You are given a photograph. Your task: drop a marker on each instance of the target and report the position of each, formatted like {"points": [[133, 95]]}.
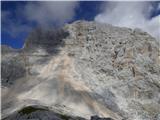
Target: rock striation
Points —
{"points": [[84, 69]]}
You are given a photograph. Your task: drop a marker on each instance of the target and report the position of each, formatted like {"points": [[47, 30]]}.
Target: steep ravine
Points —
{"points": [[84, 69]]}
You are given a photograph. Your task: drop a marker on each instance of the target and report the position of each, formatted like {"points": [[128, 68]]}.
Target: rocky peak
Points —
{"points": [[85, 69]]}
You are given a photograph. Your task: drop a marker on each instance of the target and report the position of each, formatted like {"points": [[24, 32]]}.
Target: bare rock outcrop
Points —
{"points": [[85, 69]]}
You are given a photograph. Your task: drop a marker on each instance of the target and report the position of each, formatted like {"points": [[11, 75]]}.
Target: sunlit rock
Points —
{"points": [[84, 69]]}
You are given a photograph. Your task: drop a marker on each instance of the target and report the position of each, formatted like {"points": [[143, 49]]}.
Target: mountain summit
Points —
{"points": [[81, 70]]}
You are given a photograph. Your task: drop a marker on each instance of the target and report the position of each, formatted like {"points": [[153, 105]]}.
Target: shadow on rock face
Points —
{"points": [[39, 113], [11, 70], [98, 118], [49, 40], [36, 112]]}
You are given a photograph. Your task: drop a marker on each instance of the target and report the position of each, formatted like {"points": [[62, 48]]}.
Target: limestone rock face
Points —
{"points": [[85, 69], [12, 67]]}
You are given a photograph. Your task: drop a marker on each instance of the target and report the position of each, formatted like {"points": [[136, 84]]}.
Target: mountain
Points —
{"points": [[82, 70]]}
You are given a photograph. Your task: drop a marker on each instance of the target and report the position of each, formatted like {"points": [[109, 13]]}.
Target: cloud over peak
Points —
{"points": [[131, 14], [42, 13], [47, 13]]}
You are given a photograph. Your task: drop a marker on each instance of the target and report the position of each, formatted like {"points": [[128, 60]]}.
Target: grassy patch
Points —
{"points": [[64, 117], [30, 109]]}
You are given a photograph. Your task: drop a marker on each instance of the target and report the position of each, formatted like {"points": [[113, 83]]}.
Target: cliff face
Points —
{"points": [[85, 69]]}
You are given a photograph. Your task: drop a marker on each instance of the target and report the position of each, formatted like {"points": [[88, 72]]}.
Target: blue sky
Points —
{"points": [[19, 18]]}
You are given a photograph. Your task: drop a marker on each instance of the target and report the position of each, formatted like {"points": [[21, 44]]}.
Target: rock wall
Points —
{"points": [[85, 69]]}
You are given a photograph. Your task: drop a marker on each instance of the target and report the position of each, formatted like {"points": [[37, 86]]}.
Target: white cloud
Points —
{"points": [[11, 26], [131, 14], [158, 8], [47, 13]]}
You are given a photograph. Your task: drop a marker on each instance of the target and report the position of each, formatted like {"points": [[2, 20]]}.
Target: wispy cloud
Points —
{"points": [[47, 13], [131, 14], [12, 26], [44, 13]]}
